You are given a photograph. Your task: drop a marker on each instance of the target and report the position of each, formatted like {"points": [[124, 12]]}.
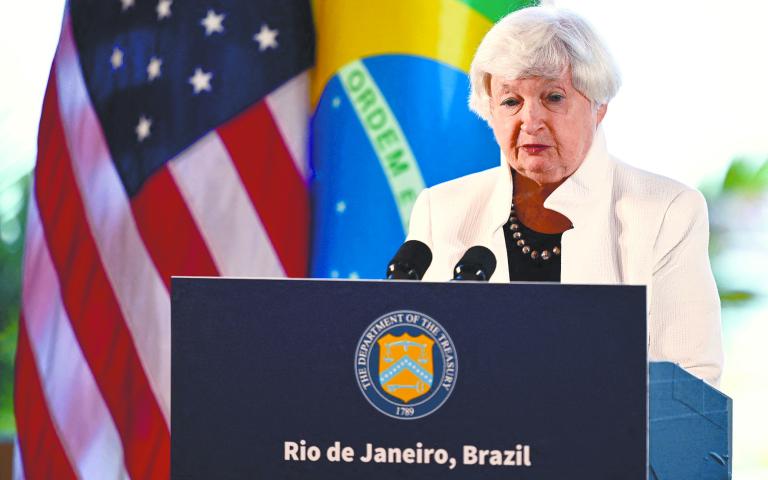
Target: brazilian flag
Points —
{"points": [[389, 95]]}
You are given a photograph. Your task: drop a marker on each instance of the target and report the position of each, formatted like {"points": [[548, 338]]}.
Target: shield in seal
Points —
{"points": [[406, 366]]}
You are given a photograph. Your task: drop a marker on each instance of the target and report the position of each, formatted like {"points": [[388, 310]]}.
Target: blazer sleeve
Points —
{"points": [[684, 313]]}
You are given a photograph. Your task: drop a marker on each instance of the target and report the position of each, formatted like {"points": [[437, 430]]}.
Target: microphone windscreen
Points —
{"points": [[412, 256], [480, 260]]}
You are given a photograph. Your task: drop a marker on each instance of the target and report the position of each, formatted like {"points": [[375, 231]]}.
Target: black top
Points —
{"points": [[521, 267]]}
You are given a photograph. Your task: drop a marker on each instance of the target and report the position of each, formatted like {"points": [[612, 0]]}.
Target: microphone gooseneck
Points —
{"points": [[478, 264], [410, 262]]}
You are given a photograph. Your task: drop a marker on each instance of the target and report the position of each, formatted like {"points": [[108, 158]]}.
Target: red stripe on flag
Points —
{"points": [[169, 231], [42, 453], [273, 183], [91, 305]]}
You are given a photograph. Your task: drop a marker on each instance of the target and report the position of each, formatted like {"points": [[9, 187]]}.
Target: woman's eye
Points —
{"points": [[510, 102], [555, 97]]}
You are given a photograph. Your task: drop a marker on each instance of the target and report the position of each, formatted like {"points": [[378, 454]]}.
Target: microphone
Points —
{"points": [[478, 264], [410, 262]]}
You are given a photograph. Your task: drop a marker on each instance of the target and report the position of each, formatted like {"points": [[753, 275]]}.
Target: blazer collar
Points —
{"points": [[584, 198], [589, 184]]}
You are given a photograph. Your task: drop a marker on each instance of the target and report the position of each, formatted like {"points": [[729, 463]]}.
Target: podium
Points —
{"points": [[316, 379], [690, 427]]}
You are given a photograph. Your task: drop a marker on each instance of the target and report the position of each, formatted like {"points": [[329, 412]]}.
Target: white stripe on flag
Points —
{"points": [[289, 105], [222, 209], [140, 291], [18, 468], [78, 411]]}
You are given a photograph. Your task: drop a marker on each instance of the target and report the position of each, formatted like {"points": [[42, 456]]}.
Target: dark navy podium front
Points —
{"points": [[506, 381]]}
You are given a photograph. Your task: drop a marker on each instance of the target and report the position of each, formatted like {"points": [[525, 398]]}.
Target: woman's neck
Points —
{"points": [[529, 200]]}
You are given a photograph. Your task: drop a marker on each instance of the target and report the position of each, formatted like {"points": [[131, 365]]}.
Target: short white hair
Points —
{"points": [[542, 42]]}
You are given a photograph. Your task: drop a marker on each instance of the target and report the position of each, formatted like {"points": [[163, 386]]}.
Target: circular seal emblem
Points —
{"points": [[406, 364]]}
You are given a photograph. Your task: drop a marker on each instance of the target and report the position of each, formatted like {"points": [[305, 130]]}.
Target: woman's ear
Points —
{"points": [[601, 112]]}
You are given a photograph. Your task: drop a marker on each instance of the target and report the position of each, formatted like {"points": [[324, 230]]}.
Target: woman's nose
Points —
{"points": [[532, 117]]}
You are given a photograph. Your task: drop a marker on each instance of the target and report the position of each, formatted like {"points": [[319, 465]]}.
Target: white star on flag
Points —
{"points": [[213, 23], [201, 81], [116, 59], [164, 9], [142, 129], [127, 4], [266, 37], [153, 69]]}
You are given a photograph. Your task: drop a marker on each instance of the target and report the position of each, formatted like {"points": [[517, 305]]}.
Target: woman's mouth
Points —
{"points": [[534, 148]]}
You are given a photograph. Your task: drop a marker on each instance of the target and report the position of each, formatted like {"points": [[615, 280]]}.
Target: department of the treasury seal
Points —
{"points": [[406, 364]]}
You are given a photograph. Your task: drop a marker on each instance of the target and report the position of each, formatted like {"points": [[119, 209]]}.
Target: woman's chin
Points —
{"points": [[543, 173], [546, 179]]}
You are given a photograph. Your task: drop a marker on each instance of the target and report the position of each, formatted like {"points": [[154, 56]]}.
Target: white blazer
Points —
{"points": [[629, 227]]}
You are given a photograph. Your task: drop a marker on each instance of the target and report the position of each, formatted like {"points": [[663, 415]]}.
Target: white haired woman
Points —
{"points": [[559, 208]]}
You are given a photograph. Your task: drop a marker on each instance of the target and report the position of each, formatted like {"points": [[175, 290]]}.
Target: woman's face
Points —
{"points": [[543, 126]]}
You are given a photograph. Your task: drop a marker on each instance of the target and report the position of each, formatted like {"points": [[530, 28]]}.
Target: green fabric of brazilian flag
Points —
{"points": [[389, 93]]}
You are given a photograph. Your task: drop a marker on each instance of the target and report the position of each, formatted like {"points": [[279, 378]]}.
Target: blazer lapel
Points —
{"points": [[589, 249]]}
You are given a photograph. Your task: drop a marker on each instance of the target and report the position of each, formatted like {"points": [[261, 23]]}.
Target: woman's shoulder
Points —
{"points": [[480, 182], [454, 209], [641, 185], [666, 209]]}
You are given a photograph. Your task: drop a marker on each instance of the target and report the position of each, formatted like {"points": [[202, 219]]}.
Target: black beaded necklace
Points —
{"points": [[523, 245]]}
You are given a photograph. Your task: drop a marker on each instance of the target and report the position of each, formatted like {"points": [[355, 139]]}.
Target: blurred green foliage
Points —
{"points": [[13, 214], [744, 185], [746, 178]]}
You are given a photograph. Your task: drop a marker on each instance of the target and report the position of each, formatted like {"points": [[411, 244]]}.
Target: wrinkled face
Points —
{"points": [[543, 126]]}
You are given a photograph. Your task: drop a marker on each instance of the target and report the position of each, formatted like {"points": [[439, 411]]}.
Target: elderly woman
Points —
{"points": [[559, 208]]}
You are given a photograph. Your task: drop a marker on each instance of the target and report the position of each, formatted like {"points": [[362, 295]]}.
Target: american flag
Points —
{"points": [[172, 142]]}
